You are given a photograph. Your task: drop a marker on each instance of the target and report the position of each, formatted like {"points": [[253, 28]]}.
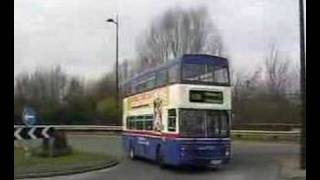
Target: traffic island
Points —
{"points": [[26, 166]]}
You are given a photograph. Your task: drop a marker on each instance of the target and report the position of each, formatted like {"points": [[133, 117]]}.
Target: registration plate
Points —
{"points": [[216, 162]]}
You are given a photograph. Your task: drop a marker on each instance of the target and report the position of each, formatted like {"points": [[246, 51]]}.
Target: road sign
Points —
{"points": [[36, 132], [29, 116]]}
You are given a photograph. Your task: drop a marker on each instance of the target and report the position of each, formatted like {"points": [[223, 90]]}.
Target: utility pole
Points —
{"points": [[302, 88]]}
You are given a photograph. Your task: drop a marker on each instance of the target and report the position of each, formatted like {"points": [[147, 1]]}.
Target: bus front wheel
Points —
{"points": [[132, 155], [160, 158]]}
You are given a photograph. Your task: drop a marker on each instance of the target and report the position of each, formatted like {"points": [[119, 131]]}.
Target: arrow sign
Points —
{"points": [[36, 132], [16, 134], [45, 132], [30, 133]]}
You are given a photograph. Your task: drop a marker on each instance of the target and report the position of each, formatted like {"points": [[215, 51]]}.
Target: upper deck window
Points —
{"points": [[146, 83], [190, 69], [174, 73], [205, 70], [162, 77]]}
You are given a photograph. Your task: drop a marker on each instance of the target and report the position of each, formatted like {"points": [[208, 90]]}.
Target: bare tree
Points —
{"points": [[262, 96], [237, 94], [41, 87], [75, 90], [277, 68], [246, 86], [179, 31], [294, 79]]}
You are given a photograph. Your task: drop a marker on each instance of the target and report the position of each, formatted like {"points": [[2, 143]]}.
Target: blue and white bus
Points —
{"points": [[180, 112]]}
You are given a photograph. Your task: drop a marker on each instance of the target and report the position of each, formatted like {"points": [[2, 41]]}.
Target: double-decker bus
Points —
{"points": [[180, 112]]}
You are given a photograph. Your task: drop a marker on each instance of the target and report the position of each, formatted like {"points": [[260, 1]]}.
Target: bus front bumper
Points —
{"points": [[207, 162], [208, 158]]}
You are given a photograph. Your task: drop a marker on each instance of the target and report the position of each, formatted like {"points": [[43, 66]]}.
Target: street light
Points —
{"points": [[116, 22]]}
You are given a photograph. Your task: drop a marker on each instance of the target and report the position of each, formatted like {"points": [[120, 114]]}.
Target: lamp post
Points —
{"points": [[302, 88], [116, 22]]}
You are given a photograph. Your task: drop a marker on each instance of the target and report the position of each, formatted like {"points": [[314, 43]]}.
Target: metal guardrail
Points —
{"points": [[88, 128], [266, 135], [266, 126], [295, 132], [80, 127], [245, 134], [270, 124]]}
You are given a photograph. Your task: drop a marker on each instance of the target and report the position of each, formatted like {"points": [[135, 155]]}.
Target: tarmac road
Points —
{"points": [[251, 161]]}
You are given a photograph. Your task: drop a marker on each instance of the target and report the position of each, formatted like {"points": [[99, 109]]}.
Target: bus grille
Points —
{"points": [[197, 152]]}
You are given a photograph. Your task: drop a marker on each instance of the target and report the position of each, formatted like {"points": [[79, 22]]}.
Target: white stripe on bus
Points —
{"points": [[179, 139]]}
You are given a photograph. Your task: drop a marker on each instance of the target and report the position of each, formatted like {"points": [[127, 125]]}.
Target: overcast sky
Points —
{"points": [[74, 35]]}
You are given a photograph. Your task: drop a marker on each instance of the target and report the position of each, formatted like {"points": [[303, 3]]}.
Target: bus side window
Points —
{"points": [[128, 122], [139, 123], [128, 89], [151, 82], [148, 122], [162, 77], [172, 120], [174, 74], [133, 122]]}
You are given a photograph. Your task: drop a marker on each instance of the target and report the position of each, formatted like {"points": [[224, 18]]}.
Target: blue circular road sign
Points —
{"points": [[29, 116]]}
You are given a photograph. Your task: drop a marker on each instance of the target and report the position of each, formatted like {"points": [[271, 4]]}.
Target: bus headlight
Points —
{"points": [[227, 153], [183, 147]]}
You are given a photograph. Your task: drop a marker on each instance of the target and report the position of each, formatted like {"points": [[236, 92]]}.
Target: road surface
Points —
{"points": [[251, 161]]}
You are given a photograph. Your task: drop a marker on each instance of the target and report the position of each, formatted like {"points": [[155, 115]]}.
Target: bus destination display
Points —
{"points": [[215, 97]]}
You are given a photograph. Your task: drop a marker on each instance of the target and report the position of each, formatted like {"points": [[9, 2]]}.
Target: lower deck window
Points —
{"points": [[148, 122], [130, 123], [139, 125], [144, 122]]}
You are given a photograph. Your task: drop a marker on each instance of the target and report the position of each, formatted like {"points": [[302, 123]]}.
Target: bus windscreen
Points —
{"points": [[204, 123]]}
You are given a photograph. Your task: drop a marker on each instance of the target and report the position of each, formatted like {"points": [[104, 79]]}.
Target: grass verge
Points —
{"points": [[77, 162]]}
